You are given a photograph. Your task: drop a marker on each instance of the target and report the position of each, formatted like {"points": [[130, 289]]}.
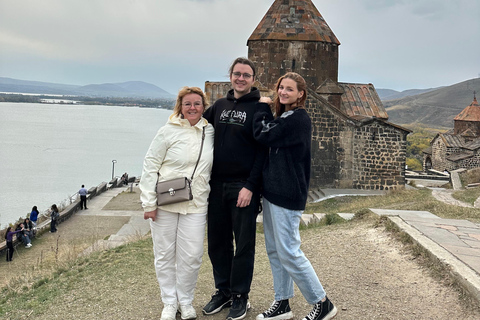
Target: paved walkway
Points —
{"points": [[455, 243], [135, 227]]}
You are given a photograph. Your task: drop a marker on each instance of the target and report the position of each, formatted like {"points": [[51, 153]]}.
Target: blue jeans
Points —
{"points": [[287, 261]]}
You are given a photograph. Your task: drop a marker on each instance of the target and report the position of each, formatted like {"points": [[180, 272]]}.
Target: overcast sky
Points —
{"points": [[395, 44]]}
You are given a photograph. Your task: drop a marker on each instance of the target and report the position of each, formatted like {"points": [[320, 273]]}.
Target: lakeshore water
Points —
{"points": [[47, 151]]}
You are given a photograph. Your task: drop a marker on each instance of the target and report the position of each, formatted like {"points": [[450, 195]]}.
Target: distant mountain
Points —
{"points": [[130, 89], [389, 94], [434, 109]]}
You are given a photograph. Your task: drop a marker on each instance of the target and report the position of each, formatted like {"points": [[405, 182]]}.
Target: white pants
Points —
{"points": [[178, 250]]}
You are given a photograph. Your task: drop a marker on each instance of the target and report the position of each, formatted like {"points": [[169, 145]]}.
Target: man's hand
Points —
{"points": [[150, 215], [244, 197]]}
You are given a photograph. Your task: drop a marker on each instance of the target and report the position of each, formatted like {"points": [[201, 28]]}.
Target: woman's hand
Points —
{"points": [[150, 215], [244, 197], [266, 100]]}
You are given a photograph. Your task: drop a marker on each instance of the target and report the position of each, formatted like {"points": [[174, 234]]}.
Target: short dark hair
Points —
{"points": [[243, 61]]}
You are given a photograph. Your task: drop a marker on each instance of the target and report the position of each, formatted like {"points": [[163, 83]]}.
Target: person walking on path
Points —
{"points": [[54, 218], [9, 239], [83, 197], [178, 229], [235, 195], [286, 177]]}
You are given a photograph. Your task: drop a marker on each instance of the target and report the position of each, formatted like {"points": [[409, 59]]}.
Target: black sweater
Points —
{"points": [[237, 155], [286, 175]]}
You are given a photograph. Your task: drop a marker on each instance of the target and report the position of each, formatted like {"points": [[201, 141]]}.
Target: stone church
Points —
{"points": [[353, 144], [458, 147]]}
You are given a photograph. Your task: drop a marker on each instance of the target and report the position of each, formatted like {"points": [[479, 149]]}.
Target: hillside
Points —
{"points": [[389, 94], [130, 89], [434, 109]]}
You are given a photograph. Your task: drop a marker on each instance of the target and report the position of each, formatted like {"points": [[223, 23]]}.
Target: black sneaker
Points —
{"points": [[279, 310], [239, 308], [322, 311], [219, 301]]}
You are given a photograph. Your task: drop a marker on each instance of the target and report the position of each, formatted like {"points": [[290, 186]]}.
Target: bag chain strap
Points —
{"points": [[200, 154]]}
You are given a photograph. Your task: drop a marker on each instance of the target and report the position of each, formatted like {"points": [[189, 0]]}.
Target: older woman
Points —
{"points": [[286, 177], [178, 229]]}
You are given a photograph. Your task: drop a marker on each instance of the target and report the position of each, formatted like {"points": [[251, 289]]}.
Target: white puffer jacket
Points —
{"points": [[173, 153]]}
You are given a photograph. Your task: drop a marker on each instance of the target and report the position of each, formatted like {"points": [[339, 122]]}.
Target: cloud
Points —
{"points": [[401, 43]]}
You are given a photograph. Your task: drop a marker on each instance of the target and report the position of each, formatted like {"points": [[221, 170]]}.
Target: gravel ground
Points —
{"points": [[366, 273]]}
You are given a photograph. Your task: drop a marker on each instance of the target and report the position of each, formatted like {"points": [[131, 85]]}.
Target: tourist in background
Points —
{"points": [[54, 215], [286, 177], [9, 239], [83, 197], [28, 225], [23, 235], [34, 216], [178, 229], [235, 196]]}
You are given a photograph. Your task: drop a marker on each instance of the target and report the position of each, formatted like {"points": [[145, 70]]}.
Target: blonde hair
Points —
{"points": [[177, 110]]}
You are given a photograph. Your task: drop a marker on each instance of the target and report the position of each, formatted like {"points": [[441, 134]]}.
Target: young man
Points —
{"points": [[235, 191], [83, 197]]}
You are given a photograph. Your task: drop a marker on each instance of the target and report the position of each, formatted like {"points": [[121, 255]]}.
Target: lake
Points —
{"points": [[47, 151]]}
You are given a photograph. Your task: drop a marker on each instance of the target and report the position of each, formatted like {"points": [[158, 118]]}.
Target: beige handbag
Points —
{"points": [[177, 190]]}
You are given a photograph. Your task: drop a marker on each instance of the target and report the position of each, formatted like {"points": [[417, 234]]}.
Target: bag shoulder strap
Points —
{"points": [[200, 154]]}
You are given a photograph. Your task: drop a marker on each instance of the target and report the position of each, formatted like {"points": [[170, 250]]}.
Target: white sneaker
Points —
{"points": [[169, 312], [187, 311]]}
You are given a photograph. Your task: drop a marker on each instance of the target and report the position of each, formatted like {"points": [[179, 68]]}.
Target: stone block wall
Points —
{"points": [[216, 90], [328, 147], [379, 151], [315, 61]]}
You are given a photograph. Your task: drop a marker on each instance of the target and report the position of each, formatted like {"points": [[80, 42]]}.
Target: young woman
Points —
{"points": [[178, 229], [286, 176], [34, 215], [9, 239], [54, 218]]}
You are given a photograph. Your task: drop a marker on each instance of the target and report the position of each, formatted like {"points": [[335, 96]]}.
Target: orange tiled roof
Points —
{"points": [[470, 113], [295, 21], [361, 100]]}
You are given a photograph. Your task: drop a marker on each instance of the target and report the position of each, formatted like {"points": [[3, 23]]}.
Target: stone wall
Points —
{"points": [[379, 153], [216, 90], [469, 163], [328, 127], [315, 61], [439, 151]]}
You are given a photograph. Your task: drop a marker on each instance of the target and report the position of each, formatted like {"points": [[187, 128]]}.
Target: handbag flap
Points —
{"points": [[175, 184]]}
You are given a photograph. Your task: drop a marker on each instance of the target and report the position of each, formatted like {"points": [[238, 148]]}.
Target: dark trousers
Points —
{"points": [[83, 202], [232, 271], [9, 250], [53, 225]]}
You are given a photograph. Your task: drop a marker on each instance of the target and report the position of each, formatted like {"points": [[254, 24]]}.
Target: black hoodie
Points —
{"points": [[237, 155]]}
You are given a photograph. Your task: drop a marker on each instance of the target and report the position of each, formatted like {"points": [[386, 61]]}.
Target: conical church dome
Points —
{"points": [[294, 20]]}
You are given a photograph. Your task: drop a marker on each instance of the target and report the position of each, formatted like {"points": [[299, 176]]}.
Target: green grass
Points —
{"points": [[468, 195], [420, 200]]}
